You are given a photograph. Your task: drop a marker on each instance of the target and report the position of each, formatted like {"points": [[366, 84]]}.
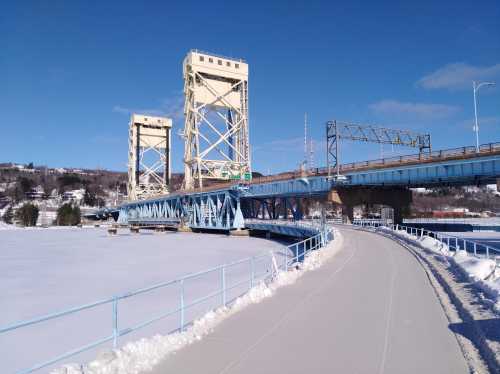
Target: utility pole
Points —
{"points": [[475, 88]]}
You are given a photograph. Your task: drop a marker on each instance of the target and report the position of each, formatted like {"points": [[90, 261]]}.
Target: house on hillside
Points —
{"points": [[74, 195], [36, 193]]}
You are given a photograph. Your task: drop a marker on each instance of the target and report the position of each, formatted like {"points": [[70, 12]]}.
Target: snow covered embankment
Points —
{"points": [[483, 272], [144, 354]]}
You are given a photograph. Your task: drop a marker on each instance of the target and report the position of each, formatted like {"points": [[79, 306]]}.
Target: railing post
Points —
{"points": [[448, 242], [182, 305], [475, 249], [487, 252], [286, 259], [252, 271], [115, 321], [223, 280]]}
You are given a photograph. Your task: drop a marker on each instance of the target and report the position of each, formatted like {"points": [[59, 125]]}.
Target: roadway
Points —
{"points": [[370, 309]]}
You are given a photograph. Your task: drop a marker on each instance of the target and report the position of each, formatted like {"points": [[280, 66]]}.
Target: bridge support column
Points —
{"points": [[347, 214], [396, 197]]}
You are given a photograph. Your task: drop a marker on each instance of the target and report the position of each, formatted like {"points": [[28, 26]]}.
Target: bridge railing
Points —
{"points": [[419, 157], [258, 268], [454, 243]]}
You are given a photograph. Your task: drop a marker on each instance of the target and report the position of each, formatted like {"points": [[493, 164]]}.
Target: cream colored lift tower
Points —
{"points": [[216, 119], [149, 156]]}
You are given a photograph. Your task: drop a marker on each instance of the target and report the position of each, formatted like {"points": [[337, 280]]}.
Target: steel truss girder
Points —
{"points": [[274, 208], [336, 130], [218, 210]]}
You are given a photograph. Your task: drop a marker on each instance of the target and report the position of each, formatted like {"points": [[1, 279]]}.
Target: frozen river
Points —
{"points": [[46, 270]]}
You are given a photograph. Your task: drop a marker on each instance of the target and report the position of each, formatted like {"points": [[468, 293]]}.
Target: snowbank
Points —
{"points": [[142, 355], [483, 272], [478, 269], [424, 242], [6, 226]]}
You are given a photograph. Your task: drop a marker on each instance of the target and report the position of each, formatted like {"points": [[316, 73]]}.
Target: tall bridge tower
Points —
{"points": [[149, 156], [216, 119]]}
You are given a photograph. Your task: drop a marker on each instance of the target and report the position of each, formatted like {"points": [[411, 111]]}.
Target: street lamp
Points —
{"points": [[476, 86]]}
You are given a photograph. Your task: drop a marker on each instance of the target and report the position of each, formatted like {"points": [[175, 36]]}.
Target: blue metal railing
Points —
{"points": [[299, 251], [454, 243]]}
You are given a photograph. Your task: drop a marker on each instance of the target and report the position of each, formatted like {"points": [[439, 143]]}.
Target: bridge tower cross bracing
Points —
{"points": [[149, 156], [216, 129]]}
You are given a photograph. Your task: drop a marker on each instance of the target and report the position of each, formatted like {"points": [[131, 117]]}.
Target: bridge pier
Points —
{"points": [[398, 198]]}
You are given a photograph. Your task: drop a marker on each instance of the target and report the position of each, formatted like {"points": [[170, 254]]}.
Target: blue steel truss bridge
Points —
{"points": [[228, 206]]}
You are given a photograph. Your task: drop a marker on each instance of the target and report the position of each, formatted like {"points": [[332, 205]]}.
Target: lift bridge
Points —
{"points": [[230, 205], [217, 150]]}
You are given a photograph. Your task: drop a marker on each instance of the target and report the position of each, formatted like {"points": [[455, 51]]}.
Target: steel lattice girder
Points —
{"points": [[211, 210], [336, 130], [373, 134]]}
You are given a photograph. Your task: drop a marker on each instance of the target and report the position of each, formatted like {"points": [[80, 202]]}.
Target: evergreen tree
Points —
{"points": [[27, 215], [89, 198], [8, 215], [68, 215]]}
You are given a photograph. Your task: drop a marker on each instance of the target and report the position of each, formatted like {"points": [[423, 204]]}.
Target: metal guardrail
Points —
{"points": [[441, 155], [300, 251], [454, 243]]}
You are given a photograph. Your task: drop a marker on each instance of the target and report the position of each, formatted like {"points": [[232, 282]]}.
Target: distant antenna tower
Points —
{"points": [[311, 154], [305, 141]]}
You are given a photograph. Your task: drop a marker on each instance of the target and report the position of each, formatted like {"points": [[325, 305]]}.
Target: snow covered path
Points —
{"points": [[370, 309]]}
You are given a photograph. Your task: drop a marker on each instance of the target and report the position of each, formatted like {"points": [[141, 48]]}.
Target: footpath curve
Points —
{"points": [[370, 309]]}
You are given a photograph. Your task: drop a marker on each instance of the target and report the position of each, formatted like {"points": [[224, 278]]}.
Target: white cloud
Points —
{"points": [[128, 111], [418, 111], [483, 121], [172, 107], [458, 76]]}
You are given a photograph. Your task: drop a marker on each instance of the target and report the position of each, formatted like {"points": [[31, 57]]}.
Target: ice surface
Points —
{"points": [[46, 270]]}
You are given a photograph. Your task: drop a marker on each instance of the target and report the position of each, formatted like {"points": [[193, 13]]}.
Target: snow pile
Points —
{"points": [[477, 269], [424, 242], [434, 245], [144, 354], [6, 226], [482, 271]]}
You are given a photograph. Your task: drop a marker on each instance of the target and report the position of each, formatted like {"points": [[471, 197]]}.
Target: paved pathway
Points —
{"points": [[370, 309]]}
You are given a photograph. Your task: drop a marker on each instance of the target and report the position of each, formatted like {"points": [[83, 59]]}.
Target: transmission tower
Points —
{"points": [[335, 131], [216, 119], [149, 156]]}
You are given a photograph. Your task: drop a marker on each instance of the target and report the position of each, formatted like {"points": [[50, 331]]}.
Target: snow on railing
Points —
{"points": [[454, 243], [300, 251]]}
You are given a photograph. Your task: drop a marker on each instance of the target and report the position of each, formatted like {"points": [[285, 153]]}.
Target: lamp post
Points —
{"points": [[475, 87]]}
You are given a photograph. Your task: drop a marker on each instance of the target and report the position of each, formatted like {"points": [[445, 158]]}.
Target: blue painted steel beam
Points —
{"points": [[221, 209]]}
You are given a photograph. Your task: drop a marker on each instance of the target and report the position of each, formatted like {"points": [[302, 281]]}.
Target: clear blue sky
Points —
{"points": [[71, 71]]}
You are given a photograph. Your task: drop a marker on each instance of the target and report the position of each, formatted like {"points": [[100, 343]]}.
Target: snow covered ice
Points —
{"points": [[46, 270]]}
